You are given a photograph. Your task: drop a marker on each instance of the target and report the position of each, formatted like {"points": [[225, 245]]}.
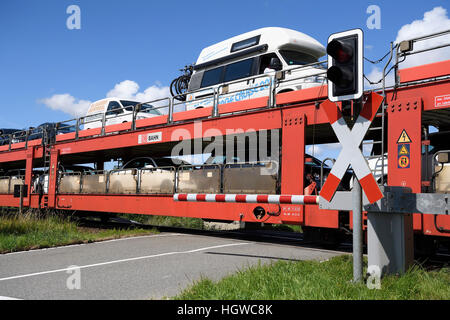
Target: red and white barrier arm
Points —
{"points": [[247, 198]]}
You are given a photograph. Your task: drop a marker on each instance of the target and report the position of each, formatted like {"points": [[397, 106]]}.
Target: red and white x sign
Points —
{"points": [[351, 154]]}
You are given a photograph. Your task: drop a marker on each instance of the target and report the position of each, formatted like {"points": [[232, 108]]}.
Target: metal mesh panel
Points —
{"points": [[4, 185], [158, 180], [94, 183], [199, 179], [123, 182], [15, 181], [69, 184], [250, 178], [442, 181]]}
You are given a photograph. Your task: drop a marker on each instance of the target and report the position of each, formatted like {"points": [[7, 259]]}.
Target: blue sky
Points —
{"points": [[148, 41]]}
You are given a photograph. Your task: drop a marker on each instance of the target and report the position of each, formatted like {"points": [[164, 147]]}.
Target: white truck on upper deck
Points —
{"points": [[256, 55]]}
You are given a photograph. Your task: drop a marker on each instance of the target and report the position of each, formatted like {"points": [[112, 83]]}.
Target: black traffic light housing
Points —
{"points": [[345, 65]]}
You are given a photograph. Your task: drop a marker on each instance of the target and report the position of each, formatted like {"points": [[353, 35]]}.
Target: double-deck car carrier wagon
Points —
{"points": [[262, 143]]}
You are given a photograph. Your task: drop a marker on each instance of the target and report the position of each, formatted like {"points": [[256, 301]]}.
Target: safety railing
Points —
{"points": [[70, 182], [71, 129], [89, 182], [441, 171], [255, 177], [123, 181], [4, 185], [93, 182], [204, 178], [274, 81], [7, 183], [22, 138], [322, 167], [406, 48], [73, 126], [16, 180], [160, 180], [128, 114]]}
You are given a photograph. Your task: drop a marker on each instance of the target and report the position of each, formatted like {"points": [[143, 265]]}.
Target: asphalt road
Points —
{"points": [[148, 267]]}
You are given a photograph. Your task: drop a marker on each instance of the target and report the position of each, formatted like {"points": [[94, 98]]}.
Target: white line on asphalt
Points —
{"points": [[92, 243], [124, 260], [8, 298]]}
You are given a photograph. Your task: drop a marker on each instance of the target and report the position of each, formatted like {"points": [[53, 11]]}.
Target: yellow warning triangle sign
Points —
{"points": [[403, 151], [404, 138]]}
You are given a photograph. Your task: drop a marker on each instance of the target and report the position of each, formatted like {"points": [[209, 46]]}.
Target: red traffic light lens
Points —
{"points": [[339, 51]]}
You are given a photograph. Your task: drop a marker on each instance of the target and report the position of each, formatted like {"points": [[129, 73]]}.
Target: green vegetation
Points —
{"points": [[163, 221], [31, 231], [305, 280], [196, 223]]}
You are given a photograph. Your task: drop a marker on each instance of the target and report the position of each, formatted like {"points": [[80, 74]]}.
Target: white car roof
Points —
{"points": [[274, 37]]}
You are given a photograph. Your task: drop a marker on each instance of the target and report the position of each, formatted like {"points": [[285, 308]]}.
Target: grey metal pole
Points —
{"points": [[21, 200], [171, 106], [357, 231]]}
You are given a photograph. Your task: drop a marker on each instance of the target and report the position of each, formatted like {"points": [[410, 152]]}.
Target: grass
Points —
{"points": [[313, 280], [196, 223], [165, 221], [30, 231]]}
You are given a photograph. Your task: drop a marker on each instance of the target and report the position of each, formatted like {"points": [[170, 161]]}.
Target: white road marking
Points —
{"points": [[126, 260], [8, 298]]}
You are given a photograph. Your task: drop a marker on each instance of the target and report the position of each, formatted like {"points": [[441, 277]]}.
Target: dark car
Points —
{"points": [[149, 162], [51, 128], [5, 135], [76, 168]]}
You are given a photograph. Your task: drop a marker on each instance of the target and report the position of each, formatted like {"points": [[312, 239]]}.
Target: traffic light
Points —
{"points": [[345, 65]]}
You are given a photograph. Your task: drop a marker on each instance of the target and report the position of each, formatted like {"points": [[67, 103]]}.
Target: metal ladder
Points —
{"points": [[47, 158]]}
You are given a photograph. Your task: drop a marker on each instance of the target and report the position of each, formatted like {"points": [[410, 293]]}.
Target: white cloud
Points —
{"points": [[67, 103], [126, 89], [324, 150], [375, 75], [130, 90], [433, 21], [314, 150]]}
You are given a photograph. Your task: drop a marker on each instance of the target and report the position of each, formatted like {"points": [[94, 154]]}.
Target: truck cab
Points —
{"points": [[244, 66]]}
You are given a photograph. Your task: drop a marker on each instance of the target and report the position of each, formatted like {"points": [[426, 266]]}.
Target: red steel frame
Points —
{"points": [[404, 112]]}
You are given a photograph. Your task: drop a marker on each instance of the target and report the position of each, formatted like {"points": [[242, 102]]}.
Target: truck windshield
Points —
{"points": [[128, 105], [148, 108], [145, 107], [297, 58]]}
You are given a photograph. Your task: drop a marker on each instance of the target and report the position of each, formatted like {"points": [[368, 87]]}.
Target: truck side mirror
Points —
{"points": [[443, 157], [275, 64]]}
